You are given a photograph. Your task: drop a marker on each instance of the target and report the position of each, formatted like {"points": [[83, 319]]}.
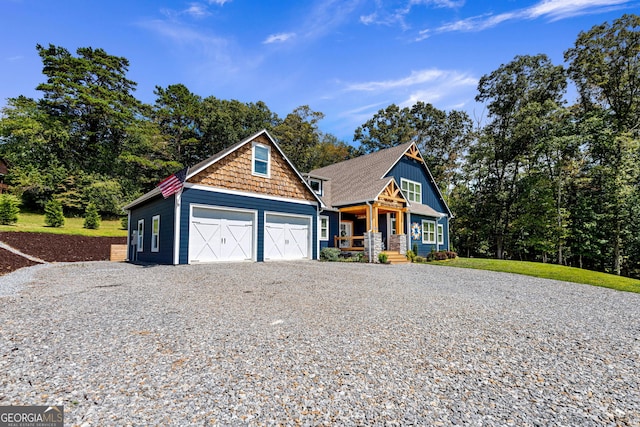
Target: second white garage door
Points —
{"points": [[287, 237], [221, 235]]}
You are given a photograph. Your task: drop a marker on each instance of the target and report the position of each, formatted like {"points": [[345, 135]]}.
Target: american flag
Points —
{"points": [[173, 184]]}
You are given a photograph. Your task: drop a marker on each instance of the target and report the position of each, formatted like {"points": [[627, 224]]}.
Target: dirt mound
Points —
{"points": [[54, 248]]}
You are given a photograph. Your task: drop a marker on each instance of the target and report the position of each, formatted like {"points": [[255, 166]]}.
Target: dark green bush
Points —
{"points": [[330, 254]]}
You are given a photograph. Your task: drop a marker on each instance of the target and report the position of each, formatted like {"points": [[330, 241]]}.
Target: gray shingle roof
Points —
{"points": [[360, 179]]}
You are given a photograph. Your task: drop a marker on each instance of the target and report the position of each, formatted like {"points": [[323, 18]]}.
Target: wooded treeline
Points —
{"points": [[538, 178], [88, 139]]}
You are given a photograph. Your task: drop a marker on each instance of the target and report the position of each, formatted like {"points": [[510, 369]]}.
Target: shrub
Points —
{"points": [[420, 259], [91, 217], [330, 254], [124, 222], [53, 215], [9, 209], [383, 258], [411, 256], [441, 255]]}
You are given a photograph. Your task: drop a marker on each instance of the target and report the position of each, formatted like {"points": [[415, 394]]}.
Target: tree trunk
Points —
{"points": [[617, 255]]}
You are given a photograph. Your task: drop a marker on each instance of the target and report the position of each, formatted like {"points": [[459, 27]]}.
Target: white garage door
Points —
{"points": [[220, 235], [286, 237]]}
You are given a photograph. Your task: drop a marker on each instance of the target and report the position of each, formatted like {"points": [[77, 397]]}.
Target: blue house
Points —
{"points": [[246, 203], [384, 201], [249, 203]]}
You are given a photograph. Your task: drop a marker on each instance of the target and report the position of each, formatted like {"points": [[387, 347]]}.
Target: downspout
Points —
{"points": [[129, 245], [448, 236], [176, 227], [370, 227], [407, 226], [318, 212], [437, 241]]}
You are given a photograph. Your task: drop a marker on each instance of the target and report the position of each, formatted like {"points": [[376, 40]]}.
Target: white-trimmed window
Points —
{"points": [[261, 160], [440, 234], [324, 228], [316, 185], [412, 190], [155, 233], [428, 231], [140, 235]]}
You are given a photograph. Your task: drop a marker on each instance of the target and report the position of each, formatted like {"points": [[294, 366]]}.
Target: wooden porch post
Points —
{"points": [[375, 217], [399, 222]]}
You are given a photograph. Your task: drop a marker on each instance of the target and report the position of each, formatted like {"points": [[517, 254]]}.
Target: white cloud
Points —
{"points": [[209, 47], [561, 9], [553, 9], [416, 78], [196, 10], [279, 38], [219, 2], [368, 19], [398, 15]]}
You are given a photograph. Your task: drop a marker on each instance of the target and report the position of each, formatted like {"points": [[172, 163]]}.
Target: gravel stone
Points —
{"points": [[310, 343]]}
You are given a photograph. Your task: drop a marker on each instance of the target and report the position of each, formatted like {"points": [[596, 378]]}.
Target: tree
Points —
{"points": [[178, 114], [605, 65], [9, 209], [91, 217], [328, 151], [225, 122], [387, 128], [298, 135], [442, 137], [53, 215], [519, 96], [92, 99]]}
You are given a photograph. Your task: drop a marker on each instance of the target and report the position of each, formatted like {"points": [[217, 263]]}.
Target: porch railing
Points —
{"points": [[349, 243]]}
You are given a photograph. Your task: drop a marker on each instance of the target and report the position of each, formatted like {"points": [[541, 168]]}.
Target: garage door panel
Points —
{"points": [[220, 235], [286, 237], [298, 242], [205, 237], [239, 243]]}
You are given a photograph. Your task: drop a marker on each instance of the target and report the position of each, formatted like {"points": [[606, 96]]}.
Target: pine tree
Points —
{"points": [[9, 209], [91, 217], [53, 215]]}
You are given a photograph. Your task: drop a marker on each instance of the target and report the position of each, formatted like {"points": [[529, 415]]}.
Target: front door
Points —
{"points": [[346, 230]]}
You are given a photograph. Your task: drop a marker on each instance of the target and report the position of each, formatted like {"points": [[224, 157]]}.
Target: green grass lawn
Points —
{"points": [[32, 222], [547, 271]]}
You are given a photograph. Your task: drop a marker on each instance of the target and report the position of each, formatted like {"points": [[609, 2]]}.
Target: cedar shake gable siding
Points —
{"points": [[233, 172]]}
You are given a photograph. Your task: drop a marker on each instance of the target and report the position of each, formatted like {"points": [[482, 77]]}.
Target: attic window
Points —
{"points": [[261, 160], [316, 186], [412, 190]]}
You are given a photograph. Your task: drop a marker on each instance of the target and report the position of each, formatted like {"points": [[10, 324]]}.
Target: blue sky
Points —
{"points": [[345, 58]]}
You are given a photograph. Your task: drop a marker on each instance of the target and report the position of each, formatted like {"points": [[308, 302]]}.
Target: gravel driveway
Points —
{"points": [[312, 343]]}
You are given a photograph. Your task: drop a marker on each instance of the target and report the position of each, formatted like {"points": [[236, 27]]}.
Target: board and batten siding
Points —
{"points": [[425, 248], [261, 205], [334, 229], [413, 170], [146, 211]]}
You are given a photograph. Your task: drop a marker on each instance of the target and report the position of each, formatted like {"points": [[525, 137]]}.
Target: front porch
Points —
{"points": [[380, 223]]}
